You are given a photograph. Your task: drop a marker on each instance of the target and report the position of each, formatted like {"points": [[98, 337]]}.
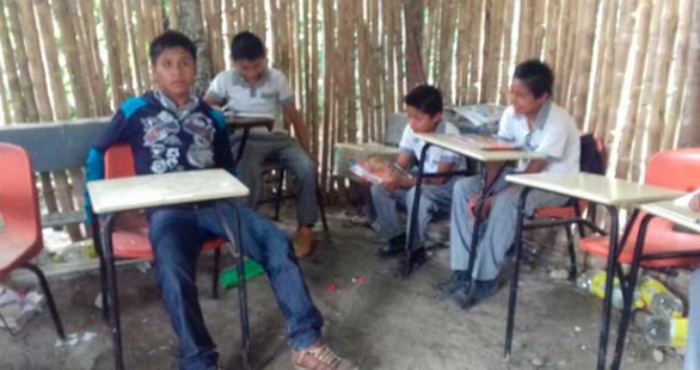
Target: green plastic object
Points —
{"points": [[229, 278]]}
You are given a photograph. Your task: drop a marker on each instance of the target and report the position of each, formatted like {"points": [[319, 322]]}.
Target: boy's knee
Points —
{"points": [[378, 191], [466, 188], [304, 167]]}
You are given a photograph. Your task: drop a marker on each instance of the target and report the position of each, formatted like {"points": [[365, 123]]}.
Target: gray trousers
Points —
{"points": [[692, 346], [499, 230], [282, 148], [434, 199]]}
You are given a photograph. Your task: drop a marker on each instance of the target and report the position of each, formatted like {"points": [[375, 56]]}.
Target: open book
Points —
{"points": [[377, 170], [489, 143]]}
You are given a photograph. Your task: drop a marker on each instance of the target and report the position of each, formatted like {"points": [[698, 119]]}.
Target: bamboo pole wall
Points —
{"points": [[621, 65]]}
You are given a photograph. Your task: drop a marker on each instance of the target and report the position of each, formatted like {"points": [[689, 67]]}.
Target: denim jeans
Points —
{"points": [[284, 149], [177, 234]]}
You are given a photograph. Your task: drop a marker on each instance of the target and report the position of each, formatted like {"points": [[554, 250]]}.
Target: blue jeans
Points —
{"points": [[284, 149], [177, 234]]}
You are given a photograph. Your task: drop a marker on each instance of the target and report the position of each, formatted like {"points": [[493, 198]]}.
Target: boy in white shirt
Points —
{"points": [[533, 122], [254, 88], [424, 110]]}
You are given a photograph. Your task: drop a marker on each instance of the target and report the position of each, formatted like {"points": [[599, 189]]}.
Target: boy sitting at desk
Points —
{"points": [[254, 88], [424, 110], [535, 123], [170, 130]]}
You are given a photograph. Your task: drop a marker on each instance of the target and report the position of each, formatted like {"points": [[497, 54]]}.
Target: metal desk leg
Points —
{"points": [[628, 291], [112, 292], [610, 274], [478, 220], [512, 301], [241, 148], [414, 212], [233, 234]]}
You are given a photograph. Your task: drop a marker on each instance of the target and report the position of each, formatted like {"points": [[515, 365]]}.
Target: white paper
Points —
{"points": [[684, 201], [250, 115]]}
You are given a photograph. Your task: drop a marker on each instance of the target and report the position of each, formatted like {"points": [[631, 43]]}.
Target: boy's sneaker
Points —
{"points": [[396, 245], [460, 280], [482, 290], [320, 357], [418, 258], [303, 242]]}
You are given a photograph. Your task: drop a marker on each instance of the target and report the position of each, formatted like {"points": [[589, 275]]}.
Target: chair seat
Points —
{"points": [[560, 212], [130, 238], [16, 249], [660, 238]]}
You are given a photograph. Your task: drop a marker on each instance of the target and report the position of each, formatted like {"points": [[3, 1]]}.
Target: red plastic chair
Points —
{"points": [[658, 244], [20, 239], [130, 233]]}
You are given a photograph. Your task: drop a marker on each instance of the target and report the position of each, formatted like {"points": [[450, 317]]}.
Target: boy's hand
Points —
{"points": [[695, 203], [474, 203], [314, 159], [391, 183]]}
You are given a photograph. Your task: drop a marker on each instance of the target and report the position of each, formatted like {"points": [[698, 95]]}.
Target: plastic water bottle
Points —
{"points": [[658, 299], [594, 282], [662, 331]]}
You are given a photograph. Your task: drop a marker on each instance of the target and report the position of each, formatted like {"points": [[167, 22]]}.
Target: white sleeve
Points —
{"points": [[217, 88], [505, 125], [407, 141], [554, 141]]}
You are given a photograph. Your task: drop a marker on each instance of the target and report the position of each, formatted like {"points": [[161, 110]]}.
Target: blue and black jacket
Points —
{"points": [[163, 139]]}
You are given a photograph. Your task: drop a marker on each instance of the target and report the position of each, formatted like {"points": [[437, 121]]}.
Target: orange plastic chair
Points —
{"points": [[678, 170], [20, 238], [657, 244], [130, 232]]}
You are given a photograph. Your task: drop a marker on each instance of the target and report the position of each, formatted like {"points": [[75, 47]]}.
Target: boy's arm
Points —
{"points": [[223, 157], [536, 166], [216, 93], [442, 168], [94, 167], [292, 114], [212, 102]]}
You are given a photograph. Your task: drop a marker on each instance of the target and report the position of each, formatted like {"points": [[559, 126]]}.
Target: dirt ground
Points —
{"points": [[385, 323]]}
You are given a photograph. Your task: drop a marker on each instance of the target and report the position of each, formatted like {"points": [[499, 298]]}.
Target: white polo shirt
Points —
{"points": [[554, 135], [267, 96], [412, 145]]}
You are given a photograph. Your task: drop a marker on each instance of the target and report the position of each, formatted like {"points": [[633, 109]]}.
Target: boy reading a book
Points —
{"points": [[170, 130], [253, 88], [424, 110], [535, 123]]}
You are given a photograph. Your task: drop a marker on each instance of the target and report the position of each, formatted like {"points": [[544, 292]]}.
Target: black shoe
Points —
{"points": [[417, 258], [480, 291], [395, 246], [460, 279]]}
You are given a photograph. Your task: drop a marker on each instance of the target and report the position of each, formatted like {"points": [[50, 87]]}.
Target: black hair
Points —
{"points": [[537, 77], [426, 99], [247, 46], [168, 40]]}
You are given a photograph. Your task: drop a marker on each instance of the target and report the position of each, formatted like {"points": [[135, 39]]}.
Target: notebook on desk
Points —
{"points": [[489, 143]]}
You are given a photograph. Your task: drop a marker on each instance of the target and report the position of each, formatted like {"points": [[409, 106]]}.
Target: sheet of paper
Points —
{"points": [[684, 201]]}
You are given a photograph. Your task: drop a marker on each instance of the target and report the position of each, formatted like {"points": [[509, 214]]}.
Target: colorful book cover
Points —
{"points": [[377, 170]]}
